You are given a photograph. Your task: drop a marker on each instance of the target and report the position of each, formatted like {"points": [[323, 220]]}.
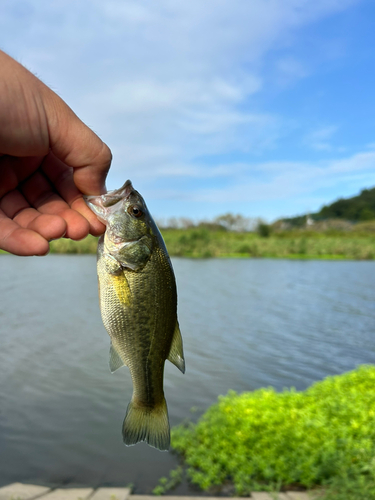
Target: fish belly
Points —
{"points": [[139, 311]]}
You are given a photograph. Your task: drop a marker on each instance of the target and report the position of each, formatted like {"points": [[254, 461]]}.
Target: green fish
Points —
{"points": [[138, 304]]}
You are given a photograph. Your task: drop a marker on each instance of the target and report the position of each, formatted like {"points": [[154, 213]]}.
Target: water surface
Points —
{"points": [[245, 324]]}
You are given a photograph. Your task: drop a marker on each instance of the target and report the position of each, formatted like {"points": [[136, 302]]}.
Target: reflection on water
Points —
{"points": [[245, 324]]}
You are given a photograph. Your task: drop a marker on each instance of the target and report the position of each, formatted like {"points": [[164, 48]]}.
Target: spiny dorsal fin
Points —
{"points": [[115, 362], [176, 354]]}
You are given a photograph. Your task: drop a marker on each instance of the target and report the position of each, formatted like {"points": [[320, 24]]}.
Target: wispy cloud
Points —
{"points": [[167, 83], [320, 139], [188, 68], [290, 69], [282, 181]]}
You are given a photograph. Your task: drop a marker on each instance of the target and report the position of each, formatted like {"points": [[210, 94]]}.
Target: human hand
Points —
{"points": [[48, 160]]}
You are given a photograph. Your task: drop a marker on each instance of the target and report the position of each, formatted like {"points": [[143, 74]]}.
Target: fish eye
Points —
{"points": [[135, 211]]}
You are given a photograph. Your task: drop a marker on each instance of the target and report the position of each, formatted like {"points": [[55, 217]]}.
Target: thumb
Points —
{"points": [[33, 119], [77, 146]]}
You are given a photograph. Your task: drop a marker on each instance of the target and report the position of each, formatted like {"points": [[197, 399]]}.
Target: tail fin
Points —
{"points": [[147, 424]]}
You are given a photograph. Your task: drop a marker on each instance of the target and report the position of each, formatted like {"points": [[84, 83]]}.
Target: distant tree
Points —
{"points": [[175, 223], [185, 223], [299, 221], [355, 209], [366, 214], [235, 222], [263, 229], [212, 226], [172, 223]]}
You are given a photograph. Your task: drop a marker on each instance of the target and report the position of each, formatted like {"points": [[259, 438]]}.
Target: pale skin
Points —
{"points": [[49, 159]]}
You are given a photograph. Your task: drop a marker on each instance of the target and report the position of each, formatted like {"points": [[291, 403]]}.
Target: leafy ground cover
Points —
{"points": [[264, 440]]}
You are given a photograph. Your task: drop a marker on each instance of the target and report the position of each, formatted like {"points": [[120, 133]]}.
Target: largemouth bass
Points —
{"points": [[138, 303]]}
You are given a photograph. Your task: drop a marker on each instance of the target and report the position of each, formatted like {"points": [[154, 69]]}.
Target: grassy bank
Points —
{"points": [[205, 243], [202, 242], [88, 245], [324, 436]]}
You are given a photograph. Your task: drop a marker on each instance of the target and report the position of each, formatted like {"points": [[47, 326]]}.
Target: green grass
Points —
{"points": [[324, 436], [205, 243], [202, 242], [64, 245]]}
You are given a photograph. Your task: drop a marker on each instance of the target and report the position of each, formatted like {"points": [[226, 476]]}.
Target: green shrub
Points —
{"points": [[165, 484], [264, 230], [263, 438]]}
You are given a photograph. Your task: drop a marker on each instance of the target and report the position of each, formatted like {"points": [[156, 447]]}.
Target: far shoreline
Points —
{"points": [[200, 242]]}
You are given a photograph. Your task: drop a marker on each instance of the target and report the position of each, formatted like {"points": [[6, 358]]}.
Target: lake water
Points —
{"points": [[245, 324]]}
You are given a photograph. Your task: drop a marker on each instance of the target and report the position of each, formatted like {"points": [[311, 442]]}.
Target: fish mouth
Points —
{"points": [[100, 204], [112, 197], [123, 193]]}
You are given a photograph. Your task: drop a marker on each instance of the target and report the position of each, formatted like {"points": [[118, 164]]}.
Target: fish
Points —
{"points": [[138, 304]]}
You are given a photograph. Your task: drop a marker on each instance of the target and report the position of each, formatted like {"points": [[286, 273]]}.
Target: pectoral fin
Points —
{"points": [[176, 354], [115, 362]]}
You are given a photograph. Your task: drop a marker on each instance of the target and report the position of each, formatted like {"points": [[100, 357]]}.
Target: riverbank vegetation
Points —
{"points": [[325, 241], [345, 229], [267, 242], [323, 437]]}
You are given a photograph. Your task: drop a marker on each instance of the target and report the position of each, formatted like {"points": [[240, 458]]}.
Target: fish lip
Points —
{"points": [[124, 191], [112, 197]]}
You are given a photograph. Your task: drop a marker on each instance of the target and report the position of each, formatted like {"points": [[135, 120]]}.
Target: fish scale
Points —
{"points": [[138, 303]]}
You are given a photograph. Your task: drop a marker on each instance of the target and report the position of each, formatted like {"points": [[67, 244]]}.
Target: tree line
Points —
{"points": [[358, 208]]}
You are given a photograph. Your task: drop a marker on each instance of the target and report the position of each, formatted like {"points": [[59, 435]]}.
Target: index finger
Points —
{"points": [[61, 177]]}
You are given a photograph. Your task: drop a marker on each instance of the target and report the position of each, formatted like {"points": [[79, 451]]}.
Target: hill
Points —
{"points": [[355, 209]]}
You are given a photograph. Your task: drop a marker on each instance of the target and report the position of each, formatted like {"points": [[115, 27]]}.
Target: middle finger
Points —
{"points": [[15, 206], [61, 176], [41, 195]]}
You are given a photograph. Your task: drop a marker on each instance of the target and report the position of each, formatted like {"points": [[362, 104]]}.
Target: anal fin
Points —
{"points": [[176, 354], [115, 362]]}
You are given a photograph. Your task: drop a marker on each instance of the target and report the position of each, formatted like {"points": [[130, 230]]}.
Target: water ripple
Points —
{"points": [[245, 323]]}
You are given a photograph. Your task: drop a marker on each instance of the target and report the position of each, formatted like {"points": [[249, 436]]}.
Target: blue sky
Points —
{"points": [[259, 107]]}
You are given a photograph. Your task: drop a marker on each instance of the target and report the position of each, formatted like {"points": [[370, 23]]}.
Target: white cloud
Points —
{"points": [[189, 67], [320, 139], [284, 180], [166, 82]]}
